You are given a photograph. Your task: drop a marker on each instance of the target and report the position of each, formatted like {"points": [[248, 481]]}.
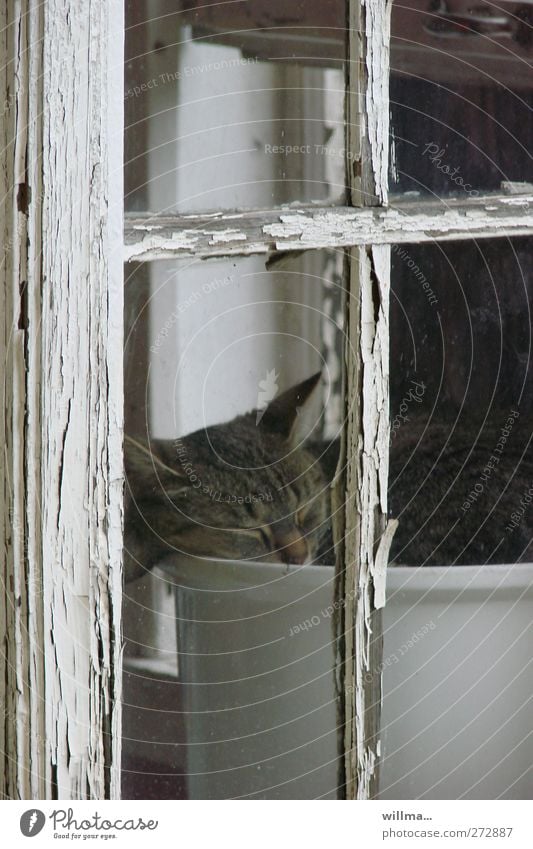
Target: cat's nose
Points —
{"points": [[292, 548]]}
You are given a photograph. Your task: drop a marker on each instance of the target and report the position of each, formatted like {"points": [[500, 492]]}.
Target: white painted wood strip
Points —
{"points": [[82, 393], [368, 102], [367, 358], [39, 774], [149, 238], [377, 19], [367, 362], [61, 430], [22, 735]]}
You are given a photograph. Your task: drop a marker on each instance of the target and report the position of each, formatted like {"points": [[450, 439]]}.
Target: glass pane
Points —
{"points": [[461, 476], [457, 672], [234, 105], [457, 680], [229, 616], [461, 96]]}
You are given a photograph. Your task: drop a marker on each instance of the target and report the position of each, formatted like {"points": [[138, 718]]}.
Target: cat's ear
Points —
{"points": [[143, 460], [282, 413]]}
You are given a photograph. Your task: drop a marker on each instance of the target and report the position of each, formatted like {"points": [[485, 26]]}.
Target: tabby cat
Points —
{"points": [[247, 490], [241, 490]]}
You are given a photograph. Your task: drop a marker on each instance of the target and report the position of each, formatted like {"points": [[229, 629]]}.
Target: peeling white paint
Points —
{"points": [[62, 345], [518, 200], [377, 31], [374, 269], [154, 238], [402, 223], [379, 569], [159, 246], [366, 774], [367, 358], [367, 378], [226, 236]]}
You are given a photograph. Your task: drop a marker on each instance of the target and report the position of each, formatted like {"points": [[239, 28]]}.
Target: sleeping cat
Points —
{"points": [[248, 490], [241, 490]]}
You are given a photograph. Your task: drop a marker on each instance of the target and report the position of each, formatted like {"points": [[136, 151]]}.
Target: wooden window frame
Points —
{"points": [[61, 310], [61, 340]]}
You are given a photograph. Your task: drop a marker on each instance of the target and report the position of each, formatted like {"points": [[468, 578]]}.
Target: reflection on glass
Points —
{"points": [[461, 96], [234, 105], [232, 375], [461, 476]]}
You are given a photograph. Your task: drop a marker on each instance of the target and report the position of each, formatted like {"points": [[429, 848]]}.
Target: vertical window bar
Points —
{"points": [[61, 342], [366, 535]]}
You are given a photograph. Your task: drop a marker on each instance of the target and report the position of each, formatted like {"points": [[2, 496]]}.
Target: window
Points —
{"points": [[272, 135], [266, 188]]}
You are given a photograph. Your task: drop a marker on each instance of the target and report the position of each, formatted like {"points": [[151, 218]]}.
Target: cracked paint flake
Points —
{"points": [[225, 236], [291, 230], [377, 32], [379, 568], [176, 242]]}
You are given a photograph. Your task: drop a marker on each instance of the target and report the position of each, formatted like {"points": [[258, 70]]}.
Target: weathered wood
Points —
{"points": [[152, 237], [368, 101], [21, 620], [62, 342], [367, 399], [366, 541]]}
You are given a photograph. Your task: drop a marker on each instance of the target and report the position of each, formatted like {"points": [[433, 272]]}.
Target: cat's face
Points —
{"points": [[239, 490]]}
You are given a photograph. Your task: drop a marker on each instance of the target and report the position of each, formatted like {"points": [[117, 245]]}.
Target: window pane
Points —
{"points": [[457, 680], [461, 96], [457, 673], [229, 616], [461, 476], [234, 105]]}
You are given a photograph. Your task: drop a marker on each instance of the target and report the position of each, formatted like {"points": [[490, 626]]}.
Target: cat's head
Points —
{"points": [[245, 489]]}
